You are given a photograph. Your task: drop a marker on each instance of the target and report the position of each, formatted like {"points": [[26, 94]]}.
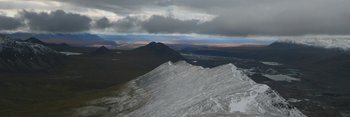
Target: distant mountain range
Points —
{"points": [[331, 42], [82, 39]]}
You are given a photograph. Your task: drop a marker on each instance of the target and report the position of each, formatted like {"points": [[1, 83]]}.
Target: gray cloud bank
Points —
{"points": [[9, 23], [233, 17], [56, 21]]}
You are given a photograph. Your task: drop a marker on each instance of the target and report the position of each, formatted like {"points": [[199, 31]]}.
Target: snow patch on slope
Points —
{"points": [[341, 42], [71, 53], [281, 77], [181, 89], [271, 63]]}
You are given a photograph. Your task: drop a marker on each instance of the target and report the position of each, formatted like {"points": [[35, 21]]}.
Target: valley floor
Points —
{"points": [[78, 80]]}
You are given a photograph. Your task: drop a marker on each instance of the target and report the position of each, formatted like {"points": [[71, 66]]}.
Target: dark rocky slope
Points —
{"points": [[18, 56]]}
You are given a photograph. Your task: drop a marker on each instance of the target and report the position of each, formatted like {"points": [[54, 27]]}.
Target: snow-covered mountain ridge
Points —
{"points": [[181, 89], [340, 42], [25, 56], [22, 47]]}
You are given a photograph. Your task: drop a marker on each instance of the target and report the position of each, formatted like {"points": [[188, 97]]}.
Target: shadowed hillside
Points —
{"points": [[80, 79]]}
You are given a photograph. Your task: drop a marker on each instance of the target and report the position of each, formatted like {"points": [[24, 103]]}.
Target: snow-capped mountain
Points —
{"points": [[340, 42], [25, 56], [181, 89]]}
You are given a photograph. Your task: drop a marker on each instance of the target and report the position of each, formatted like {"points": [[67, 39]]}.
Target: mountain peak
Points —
{"points": [[156, 45], [102, 50], [153, 42], [160, 50], [34, 40]]}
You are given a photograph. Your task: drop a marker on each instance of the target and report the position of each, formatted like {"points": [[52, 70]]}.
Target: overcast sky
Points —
{"points": [[213, 17]]}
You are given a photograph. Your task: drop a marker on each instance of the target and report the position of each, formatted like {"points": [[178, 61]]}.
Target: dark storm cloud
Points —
{"points": [[9, 23], [56, 21], [103, 23], [128, 24]]}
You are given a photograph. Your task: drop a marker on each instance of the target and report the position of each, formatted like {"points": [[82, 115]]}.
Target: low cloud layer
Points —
{"points": [[124, 25], [102, 23], [9, 23], [56, 21]]}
